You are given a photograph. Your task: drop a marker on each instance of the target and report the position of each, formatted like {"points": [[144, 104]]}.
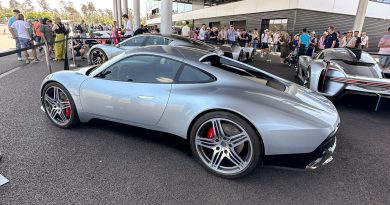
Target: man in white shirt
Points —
{"points": [[185, 31], [202, 32], [128, 26], [23, 35]]}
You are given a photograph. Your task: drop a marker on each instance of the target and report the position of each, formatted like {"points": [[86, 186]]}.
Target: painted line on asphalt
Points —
{"points": [[11, 71], [3, 180]]}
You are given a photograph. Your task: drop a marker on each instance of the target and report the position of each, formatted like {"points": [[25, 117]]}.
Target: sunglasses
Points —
{"points": [[349, 32]]}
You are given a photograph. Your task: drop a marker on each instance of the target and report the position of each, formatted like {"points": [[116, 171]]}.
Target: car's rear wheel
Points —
{"points": [[59, 105], [97, 56], [225, 144]]}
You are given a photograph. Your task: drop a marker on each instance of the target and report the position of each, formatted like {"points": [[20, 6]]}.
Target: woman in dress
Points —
{"points": [[114, 33], [60, 31], [284, 47]]}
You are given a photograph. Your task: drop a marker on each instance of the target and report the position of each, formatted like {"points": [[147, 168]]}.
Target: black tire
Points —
{"points": [[74, 119], [257, 147], [103, 56]]}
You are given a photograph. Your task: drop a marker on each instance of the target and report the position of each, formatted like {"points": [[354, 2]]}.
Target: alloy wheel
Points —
{"points": [[224, 146], [57, 105], [97, 57]]}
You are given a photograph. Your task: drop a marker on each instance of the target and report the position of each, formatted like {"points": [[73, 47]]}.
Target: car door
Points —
{"points": [[128, 44], [134, 90]]}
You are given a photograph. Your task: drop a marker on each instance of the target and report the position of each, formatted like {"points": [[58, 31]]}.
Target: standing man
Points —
{"points": [[202, 33], [231, 35], [23, 34], [331, 40], [384, 48], [37, 32], [304, 39], [128, 26], [358, 39], [185, 31], [10, 22]]}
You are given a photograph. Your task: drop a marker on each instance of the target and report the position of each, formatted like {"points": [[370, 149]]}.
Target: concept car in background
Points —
{"points": [[338, 71], [100, 53], [234, 116]]}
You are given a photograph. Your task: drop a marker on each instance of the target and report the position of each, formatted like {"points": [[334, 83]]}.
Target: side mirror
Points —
{"points": [[118, 45]]}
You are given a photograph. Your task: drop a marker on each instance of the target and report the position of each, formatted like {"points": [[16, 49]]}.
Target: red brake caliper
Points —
{"points": [[68, 111], [210, 133]]}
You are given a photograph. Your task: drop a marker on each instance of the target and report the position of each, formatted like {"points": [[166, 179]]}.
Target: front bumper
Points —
{"points": [[322, 155]]}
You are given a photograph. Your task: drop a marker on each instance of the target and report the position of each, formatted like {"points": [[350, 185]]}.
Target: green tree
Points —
{"points": [[44, 5], [13, 4], [27, 6]]}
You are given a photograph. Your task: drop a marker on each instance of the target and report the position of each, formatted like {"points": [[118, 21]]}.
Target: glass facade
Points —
{"points": [[153, 7]]}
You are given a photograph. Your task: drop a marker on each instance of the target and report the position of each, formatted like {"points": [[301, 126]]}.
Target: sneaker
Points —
{"points": [[27, 61], [19, 59], [35, 61]]}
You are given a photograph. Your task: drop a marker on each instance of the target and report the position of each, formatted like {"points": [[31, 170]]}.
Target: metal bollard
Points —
{"points": [[66, 61], [47, 54], [73, 65]]}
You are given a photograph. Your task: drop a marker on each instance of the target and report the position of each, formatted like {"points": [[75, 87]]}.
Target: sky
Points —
{"points": [[99, 4]]}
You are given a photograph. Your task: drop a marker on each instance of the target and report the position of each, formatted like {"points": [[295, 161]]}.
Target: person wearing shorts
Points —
{"points": [[22, 27]]}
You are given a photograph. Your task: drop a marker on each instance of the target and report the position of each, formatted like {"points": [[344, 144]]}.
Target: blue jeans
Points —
{"points": [[17, 42], [254, 44]]}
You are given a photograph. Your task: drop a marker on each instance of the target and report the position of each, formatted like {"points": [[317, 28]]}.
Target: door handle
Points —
{"points": [[145, 97]]}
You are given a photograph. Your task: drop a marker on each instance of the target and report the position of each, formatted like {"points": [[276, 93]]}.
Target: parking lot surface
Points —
{"points": [[107, 163]]}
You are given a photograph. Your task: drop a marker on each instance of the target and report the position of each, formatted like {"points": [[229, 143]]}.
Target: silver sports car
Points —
{"points": [[335, 72], [100, 53], [233, 115]]}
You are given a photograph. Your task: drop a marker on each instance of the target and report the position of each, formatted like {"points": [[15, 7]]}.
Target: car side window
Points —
{"points": [[190, 74], [157, 40], [142, 69], [135, 41]]}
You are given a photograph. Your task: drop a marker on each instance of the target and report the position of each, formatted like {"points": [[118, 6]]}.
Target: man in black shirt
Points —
{"points": [[331, 40], [358, 39], [139, 30]]}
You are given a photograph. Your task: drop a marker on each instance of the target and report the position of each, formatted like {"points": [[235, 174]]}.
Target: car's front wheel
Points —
{"points": [[97, 56], [225, 144], [59, 105]]}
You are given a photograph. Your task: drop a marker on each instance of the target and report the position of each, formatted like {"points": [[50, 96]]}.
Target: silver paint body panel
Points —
{"points": [[295, 121]]}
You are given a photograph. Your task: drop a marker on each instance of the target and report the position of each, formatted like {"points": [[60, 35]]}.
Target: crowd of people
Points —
{"points": [[28, 32], [33, 32]]}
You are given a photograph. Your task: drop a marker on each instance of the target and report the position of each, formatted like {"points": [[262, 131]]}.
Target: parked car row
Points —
{"points": [[235, 116], [100, 53]]}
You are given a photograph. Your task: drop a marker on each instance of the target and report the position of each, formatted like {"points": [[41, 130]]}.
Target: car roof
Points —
{"points": [[189, 53]]}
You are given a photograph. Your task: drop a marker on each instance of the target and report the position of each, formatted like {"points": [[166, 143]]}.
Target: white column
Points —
{"points": [[166, 17], [119, 11], [360, 15], [136, 8], [115, 17], [125, 8]]}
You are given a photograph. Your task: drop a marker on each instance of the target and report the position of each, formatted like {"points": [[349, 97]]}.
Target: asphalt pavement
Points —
{"points": [[108, 163]]}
